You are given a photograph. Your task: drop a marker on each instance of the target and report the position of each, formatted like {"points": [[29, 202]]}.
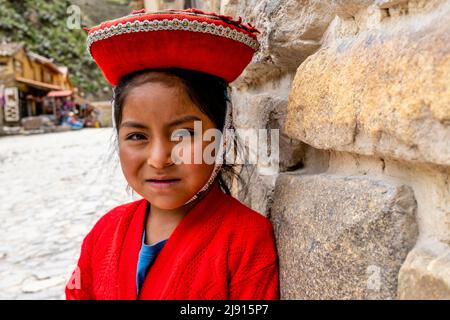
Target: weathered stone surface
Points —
{"points": [[426, 273], [257, 190], [264, 111], [384, 91], [291, 30], [429, 182], [349, 8], [341, 237]]}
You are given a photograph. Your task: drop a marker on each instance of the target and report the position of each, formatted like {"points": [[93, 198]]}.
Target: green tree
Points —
{"points": [[42, 26]]}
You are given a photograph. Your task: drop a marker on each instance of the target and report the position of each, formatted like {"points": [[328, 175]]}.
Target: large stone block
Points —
{"points": [[341, 237], [291, 30], [384, 90], [426, 273]]}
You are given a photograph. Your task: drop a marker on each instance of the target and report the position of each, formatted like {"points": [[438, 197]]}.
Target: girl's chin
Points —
{"points": [[166, 202]]}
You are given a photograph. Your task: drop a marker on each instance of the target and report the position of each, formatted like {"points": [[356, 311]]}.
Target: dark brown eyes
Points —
{"points": [[177, 133], [135, 137]]}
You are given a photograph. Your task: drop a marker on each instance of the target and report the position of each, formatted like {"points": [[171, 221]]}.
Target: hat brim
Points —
{"points": [[151, 42]]}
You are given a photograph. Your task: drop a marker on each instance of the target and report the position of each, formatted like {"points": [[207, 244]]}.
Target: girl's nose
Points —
{"points": [[159, 155]]}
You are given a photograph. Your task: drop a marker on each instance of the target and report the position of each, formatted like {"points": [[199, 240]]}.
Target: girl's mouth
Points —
{"points": [[162, 184]]}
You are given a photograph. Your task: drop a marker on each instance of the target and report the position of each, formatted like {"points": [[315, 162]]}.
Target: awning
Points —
{"points": [[60, 93], [38, 84]]}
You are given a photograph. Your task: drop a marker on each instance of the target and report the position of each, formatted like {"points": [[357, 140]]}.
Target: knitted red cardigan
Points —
{"points": [[220, 250]]}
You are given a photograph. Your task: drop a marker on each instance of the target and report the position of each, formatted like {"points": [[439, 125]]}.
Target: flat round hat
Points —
{"points": [[187, 39]]}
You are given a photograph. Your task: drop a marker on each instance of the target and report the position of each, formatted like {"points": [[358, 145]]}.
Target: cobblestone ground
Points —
{"points": [[53, 188]]}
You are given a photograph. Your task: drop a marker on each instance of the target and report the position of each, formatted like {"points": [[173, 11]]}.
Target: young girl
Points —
{"points": [[187, 238]]}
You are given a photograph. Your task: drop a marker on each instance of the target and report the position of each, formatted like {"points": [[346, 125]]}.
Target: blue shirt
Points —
{"points": [[147, 255]]}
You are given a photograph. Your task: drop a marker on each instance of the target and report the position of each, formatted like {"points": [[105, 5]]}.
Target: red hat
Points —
{"points": [[187, 39]]}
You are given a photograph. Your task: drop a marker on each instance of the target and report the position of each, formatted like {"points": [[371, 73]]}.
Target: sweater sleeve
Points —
{"points": [[255, 276]]}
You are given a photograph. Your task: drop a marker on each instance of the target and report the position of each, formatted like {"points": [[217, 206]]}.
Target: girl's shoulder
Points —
{"points": [[119, 215], [251, 243], [245, 217]]}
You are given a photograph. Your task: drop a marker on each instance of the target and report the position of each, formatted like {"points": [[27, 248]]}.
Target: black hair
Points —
{"points": [[208, 92]]}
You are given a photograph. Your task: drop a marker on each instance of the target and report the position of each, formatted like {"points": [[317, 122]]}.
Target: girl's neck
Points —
{"points": [[160, 223]]}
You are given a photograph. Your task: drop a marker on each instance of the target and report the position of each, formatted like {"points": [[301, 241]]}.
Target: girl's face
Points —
{"points": [[151, 113]]}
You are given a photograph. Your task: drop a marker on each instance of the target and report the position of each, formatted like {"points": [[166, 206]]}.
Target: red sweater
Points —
{"points": [[220, 250]]}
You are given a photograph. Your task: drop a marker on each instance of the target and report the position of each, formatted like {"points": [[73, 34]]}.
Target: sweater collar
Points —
{"points": [[176, 244]]}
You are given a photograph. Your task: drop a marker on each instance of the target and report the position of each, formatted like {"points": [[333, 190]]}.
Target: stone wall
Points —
{"points": [[360, 90]]}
